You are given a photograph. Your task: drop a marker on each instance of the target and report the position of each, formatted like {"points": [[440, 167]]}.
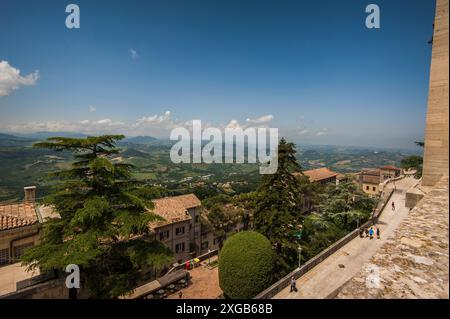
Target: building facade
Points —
{"points": [[19, 227]]}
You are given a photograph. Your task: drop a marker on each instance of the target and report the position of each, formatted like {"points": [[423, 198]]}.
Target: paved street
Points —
{"points": [[340, 267]]}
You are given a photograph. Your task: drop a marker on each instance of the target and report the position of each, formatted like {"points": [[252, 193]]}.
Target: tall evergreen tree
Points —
{"points": [[104, 220], [278, 205]]}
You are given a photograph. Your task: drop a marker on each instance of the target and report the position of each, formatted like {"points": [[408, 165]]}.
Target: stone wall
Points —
{"points": [[437, 124]]}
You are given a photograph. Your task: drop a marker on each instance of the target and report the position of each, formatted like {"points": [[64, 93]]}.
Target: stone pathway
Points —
{"points": [[414, 262], [339, 268]]}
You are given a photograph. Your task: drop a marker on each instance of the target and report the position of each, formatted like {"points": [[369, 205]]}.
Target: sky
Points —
{"points": [[310, 68]]}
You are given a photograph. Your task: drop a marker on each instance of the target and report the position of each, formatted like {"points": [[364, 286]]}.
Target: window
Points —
{"points": [[19, 250], [205, 245], [179, 247], [373, 188], [164, 235], [4, 256], [197, 219], [367, 188], [179, 230]]}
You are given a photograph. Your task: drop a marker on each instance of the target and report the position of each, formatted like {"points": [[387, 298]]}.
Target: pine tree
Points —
{"points": [[104, 220], [278, 205]]}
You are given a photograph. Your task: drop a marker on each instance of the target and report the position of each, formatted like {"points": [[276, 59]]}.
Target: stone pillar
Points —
{"points": [[436, 152]]}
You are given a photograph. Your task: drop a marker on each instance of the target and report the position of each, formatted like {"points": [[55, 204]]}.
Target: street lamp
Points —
{"points": [[299, 256]]}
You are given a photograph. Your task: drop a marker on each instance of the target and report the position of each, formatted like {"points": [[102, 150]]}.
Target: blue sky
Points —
{"points": [[310, 68]]}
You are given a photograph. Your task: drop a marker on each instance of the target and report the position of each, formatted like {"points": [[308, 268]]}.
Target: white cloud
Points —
{"points": [[233, 124], [303, 132], [261, 119], [133, 53], [92, 109], [158, 125], [10, 78], [322, 132], [153, 119]]}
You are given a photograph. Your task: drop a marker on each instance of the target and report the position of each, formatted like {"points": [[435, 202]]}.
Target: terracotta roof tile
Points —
{"points": [[17, 215], [320, 174], [174, 209]]}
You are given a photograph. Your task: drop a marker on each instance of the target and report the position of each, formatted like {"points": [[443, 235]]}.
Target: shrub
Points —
{"points": [[246, 265]]}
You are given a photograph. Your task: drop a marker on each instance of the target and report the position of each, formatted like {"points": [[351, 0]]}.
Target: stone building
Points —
{"points": [[370, 181], [19, 227], [322, 175]]}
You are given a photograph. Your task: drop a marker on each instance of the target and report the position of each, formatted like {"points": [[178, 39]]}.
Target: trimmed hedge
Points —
{"points": [[246, 265]]}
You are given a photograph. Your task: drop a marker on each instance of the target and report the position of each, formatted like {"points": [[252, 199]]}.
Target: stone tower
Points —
{"points": [[436, 132]]}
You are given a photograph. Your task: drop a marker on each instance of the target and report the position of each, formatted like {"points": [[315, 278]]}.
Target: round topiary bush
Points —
{"points": [[246, 264]]}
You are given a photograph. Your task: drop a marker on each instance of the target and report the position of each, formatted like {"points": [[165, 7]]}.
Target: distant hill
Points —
{"points": [[140, 140], [7, 140], [44, 135]]}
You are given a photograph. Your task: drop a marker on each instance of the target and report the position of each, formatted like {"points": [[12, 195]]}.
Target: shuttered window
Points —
{"points": [[20, 249], [4, 256]]}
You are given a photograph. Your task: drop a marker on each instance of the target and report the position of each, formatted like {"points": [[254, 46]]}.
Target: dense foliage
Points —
{"points": [[246, 265], [104, 220], [414, 162], [342, 208], [279, 204]]}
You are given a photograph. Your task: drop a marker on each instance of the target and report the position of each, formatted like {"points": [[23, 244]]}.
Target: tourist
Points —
{"points": [[367, 232], [378, 233], [371, 232], [293, 287], [361, 232], [180, 294], [393, 206]]}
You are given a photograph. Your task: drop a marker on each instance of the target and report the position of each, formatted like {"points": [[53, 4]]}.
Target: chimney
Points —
{"points": [[30, 193]]}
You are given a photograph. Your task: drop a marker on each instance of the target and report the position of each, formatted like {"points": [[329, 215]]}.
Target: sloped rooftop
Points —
{"points": [[174, 209], [17, 215], [319, 174]]}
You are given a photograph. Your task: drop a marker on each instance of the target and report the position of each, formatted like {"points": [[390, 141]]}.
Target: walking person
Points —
{"points": [[367, 232], [180, 294], [371, 232], [393, 206], [293, 284], [378, 233]]}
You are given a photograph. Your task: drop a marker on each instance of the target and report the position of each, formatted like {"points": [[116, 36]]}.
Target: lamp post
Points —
{"points": [[299, 256]]}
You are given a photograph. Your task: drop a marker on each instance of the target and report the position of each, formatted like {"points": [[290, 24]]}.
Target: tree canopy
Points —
{"points": [[104, 220], [278, 205], [246, 265]]}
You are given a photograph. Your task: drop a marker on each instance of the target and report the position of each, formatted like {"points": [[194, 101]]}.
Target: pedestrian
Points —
{"points": [[393, 206], [371, 232], [293, 284], [367, 232], [378, 233], [180, 294], [361, 232]]}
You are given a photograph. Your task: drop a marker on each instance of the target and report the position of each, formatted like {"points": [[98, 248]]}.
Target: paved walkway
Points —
{"points": [[11, 274], [413, 263], [343, 265]]}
